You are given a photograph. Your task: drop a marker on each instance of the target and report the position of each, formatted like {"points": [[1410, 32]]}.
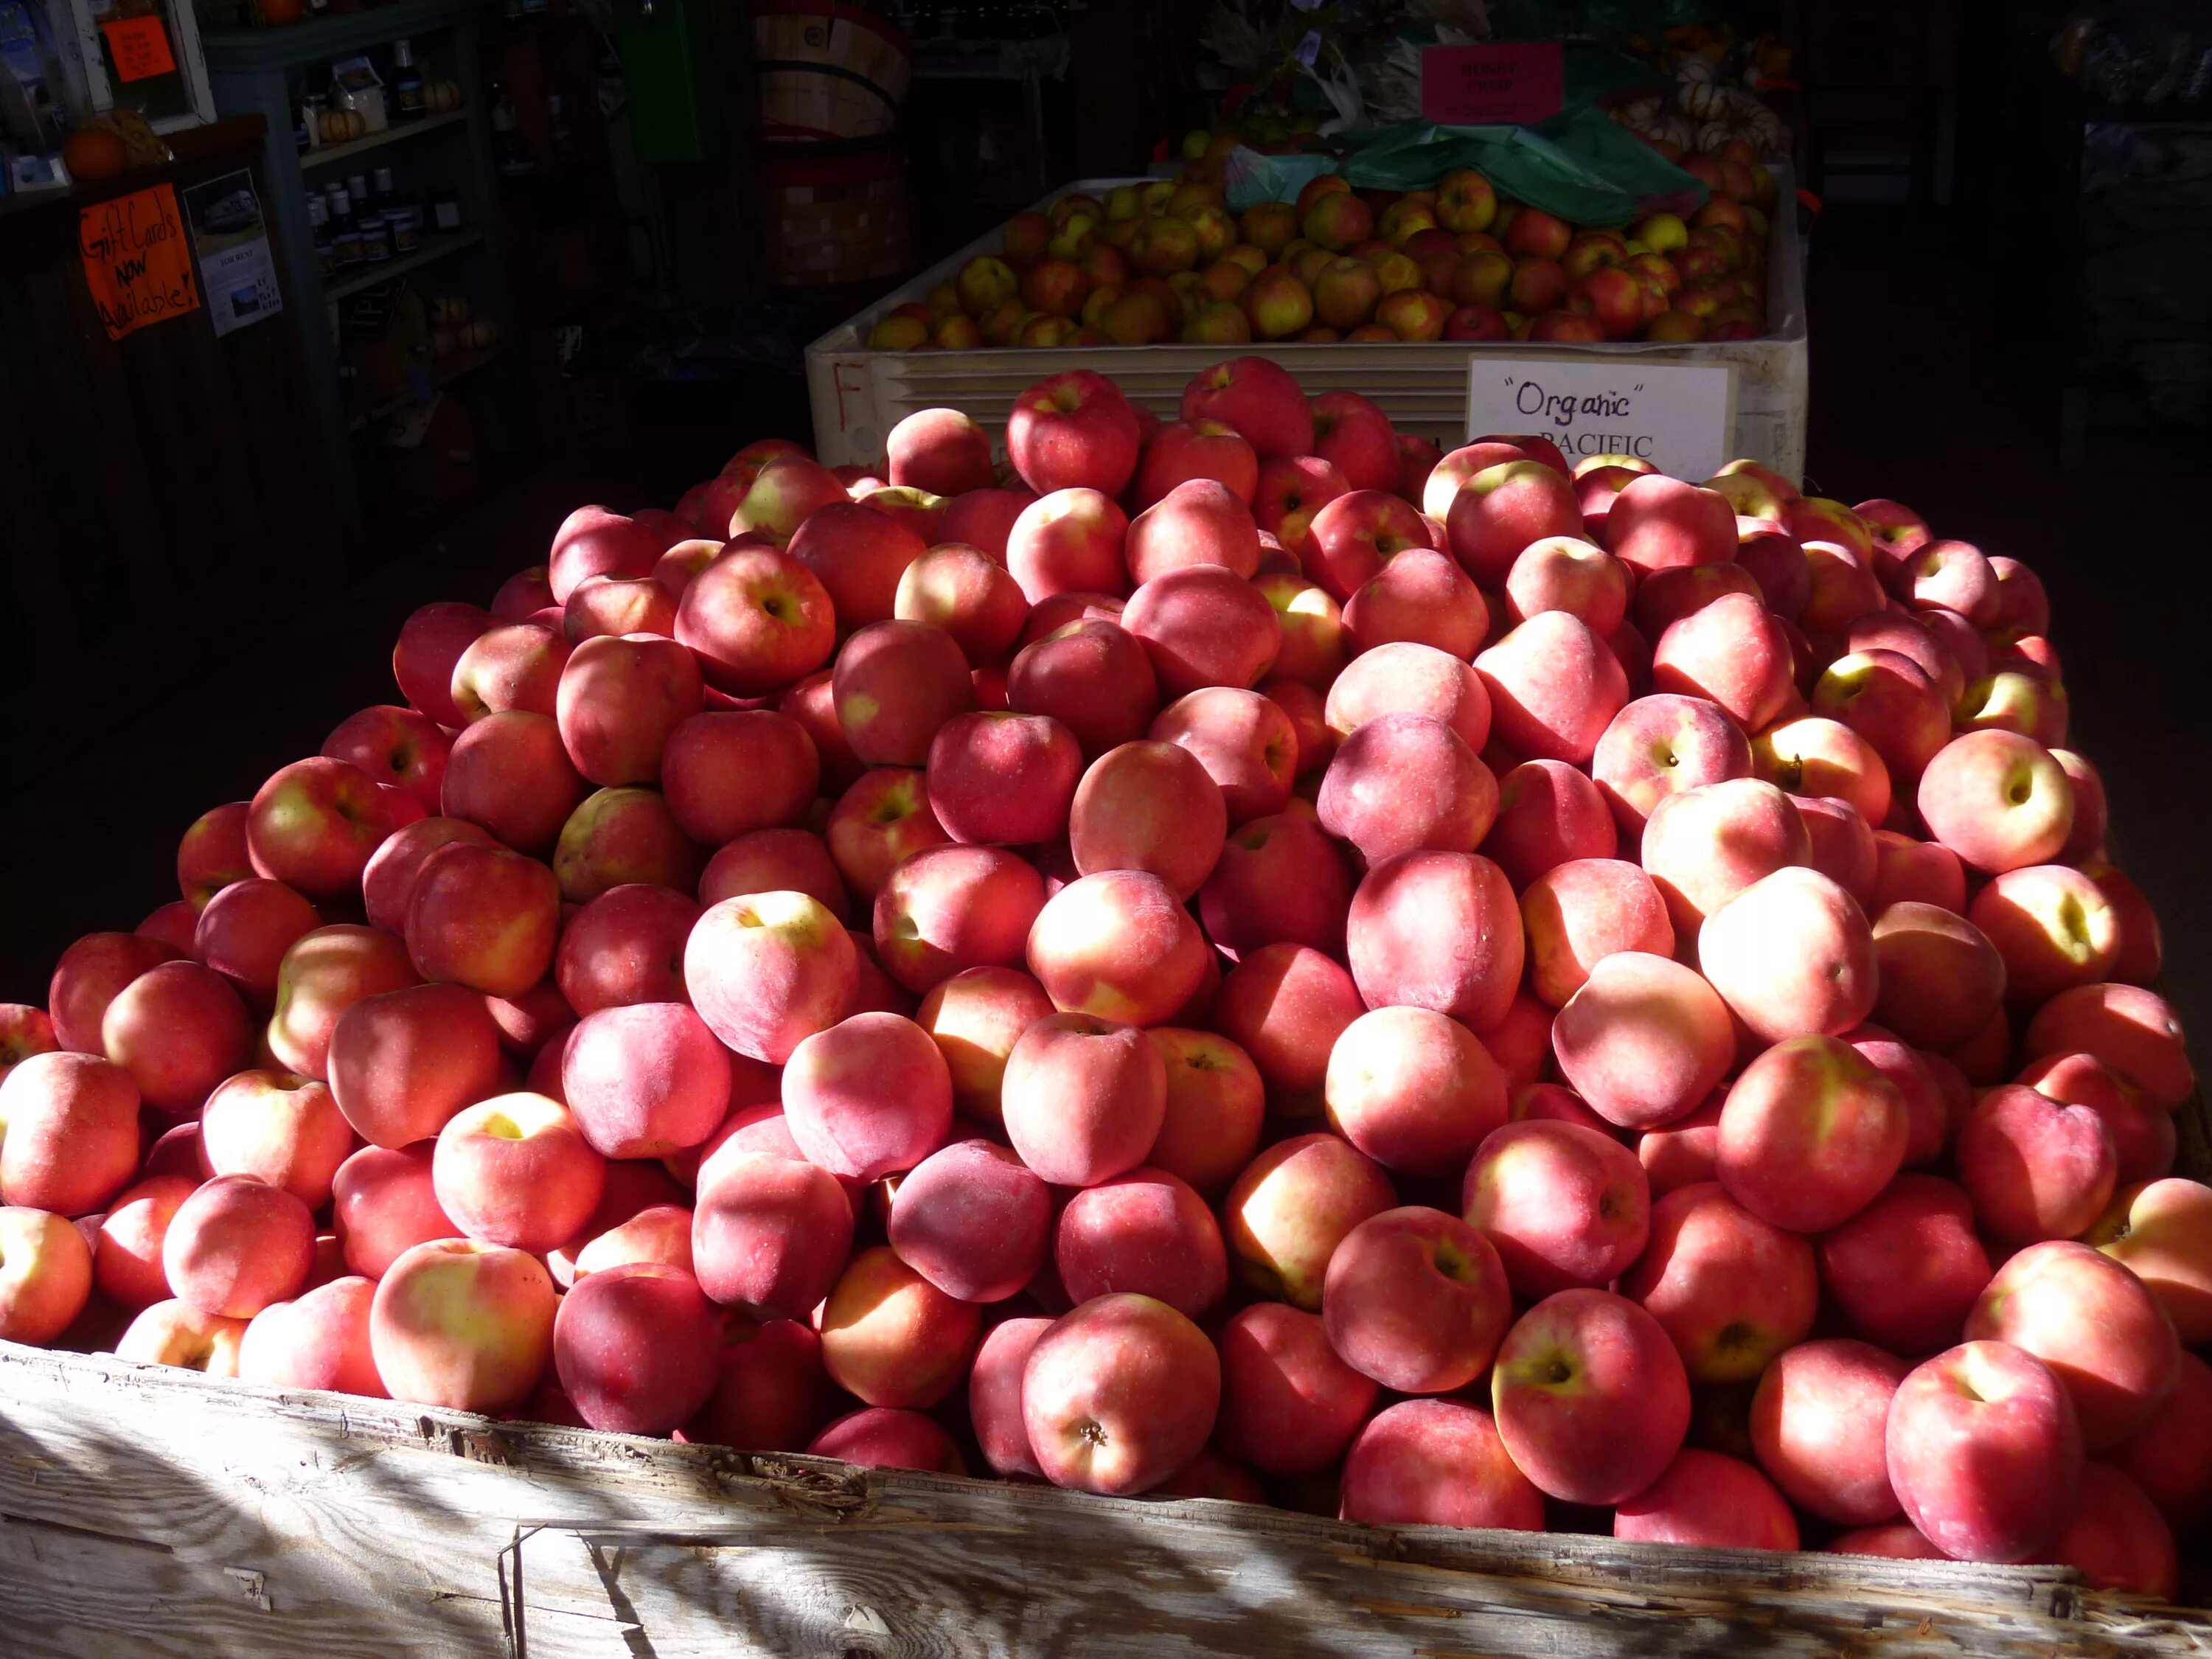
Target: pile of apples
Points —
{"points": [[1243, 957], [1167, 261]]}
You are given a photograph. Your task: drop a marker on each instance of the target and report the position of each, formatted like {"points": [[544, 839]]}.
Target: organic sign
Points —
{"points": [[138, 259], [1674, 416], [1515, 82], [139, 47]]}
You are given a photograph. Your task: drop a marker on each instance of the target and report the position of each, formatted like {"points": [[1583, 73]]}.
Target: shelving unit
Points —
{"points": [[441, 374], [255, 71]]}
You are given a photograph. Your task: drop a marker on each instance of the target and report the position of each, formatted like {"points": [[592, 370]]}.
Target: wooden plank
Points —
{"points": [[154, 1513]]}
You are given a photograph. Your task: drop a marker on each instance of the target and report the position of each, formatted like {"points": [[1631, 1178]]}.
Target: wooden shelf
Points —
{"points": [[445, 374], [328, 154], [433, 248]]}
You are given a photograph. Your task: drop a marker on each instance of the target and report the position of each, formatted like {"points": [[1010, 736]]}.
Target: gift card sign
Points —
{"points": [[1678, 417], [137, 260], [1513, 81]]}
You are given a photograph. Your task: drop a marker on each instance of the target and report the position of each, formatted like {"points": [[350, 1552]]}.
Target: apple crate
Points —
{"points": [[149, 1512], [858, 394]]}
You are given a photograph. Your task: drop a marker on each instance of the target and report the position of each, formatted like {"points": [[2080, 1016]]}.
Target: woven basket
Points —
{"points": [[836, 219], [828, 71]]}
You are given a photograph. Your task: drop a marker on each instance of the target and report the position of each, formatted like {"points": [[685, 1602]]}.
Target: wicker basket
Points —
{"points": [[828, 71], [836, 219]]}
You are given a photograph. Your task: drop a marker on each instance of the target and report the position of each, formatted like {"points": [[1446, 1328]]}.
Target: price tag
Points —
{"points": [[140, 47], [1678, 417], [137, 260], [1512, 81]]}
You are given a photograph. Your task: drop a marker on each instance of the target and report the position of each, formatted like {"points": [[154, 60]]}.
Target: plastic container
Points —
{"points": [[858, 395]]}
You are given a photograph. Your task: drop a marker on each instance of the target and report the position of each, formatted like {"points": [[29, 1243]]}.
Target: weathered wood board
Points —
{"points": [[152, 1513]]}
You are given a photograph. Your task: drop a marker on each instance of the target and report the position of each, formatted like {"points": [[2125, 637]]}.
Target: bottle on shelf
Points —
{"points": [[357, 187], [509, 152], [407, 96], [341, 204], [383, 197]]}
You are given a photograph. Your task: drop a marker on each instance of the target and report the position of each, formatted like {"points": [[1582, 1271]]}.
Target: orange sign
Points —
{"points": [[138, 259], [139, 47]]}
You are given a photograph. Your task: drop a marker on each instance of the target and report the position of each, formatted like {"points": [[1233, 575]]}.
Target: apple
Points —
{"points": [[1183, 451], [949, 908], [1984, 1452], [1734, 1291], [1290, 1406], [313, 825], [1435, 1462], [2170, 1457], [1658, 523], [46, 1275], [515, 667], [973, 1220], [515, 1169], [1591, 1400], [1501, 510], [70, 1141], [770, 1232], [463, 1324], [1402, 783], [1732, 651], [1548, 813], [1413, 1089], [1144, 1231], [400, 747], [1563, 1206], [319, 1340], [1117, 946], [1643, 1039], [1149, 806], [1416, 1300], [2134, 1031], [2161, 1232], [1119, 1394], [1817, 1425], [1292, 1207], [237, 1245], [176, 1334], [1403, 678], [431, 641], [1810, 1133], [1998, 800], [1259, 400]]}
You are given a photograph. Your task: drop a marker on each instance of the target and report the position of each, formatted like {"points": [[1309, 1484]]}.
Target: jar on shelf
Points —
{"points": [[445, 211], [406, 224], [407, 98], [346, 245], [376, 238]]}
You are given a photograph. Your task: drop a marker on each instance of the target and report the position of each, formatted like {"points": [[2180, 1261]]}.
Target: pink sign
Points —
{"points": [[1508, 82]]}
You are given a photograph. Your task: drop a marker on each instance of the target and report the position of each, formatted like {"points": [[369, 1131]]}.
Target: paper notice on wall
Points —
{"points": [[138, 263], [1678, 417], [236, 267]]}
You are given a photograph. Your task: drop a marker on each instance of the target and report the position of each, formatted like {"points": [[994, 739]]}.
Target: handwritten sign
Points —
{"points": [[1677, 416], [1516, 81], [137, 260], [140, 47]]}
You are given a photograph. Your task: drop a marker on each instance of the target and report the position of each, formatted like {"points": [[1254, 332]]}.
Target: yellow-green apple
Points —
{"points": [[949, 908], [1118, 946], [175, 1332], [1810, 1133], [1502, 509], [1336, 221], [1563, 1205], [2095, 1324], [1705, 845], [1120, 1395], [2133, 1030], [1663, 745], [1482, 279], [2052, 927], [1404, 782], [431, 641], [1290, 1406], [1997, 800], [892, 1337], [1537, 287], [237, 1245], [1435, 1462], [1732, 1291], [1591, 1400], [1436, 930], [1277, 305], [1416, 1300], [46, 1275], [973, 1220], [1346, 292], [64, 1121], [1465, 200], [768, 970], [1548, 812], [463, 1324], [2161, 1232], [510, 775], [1145, 1232]]}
